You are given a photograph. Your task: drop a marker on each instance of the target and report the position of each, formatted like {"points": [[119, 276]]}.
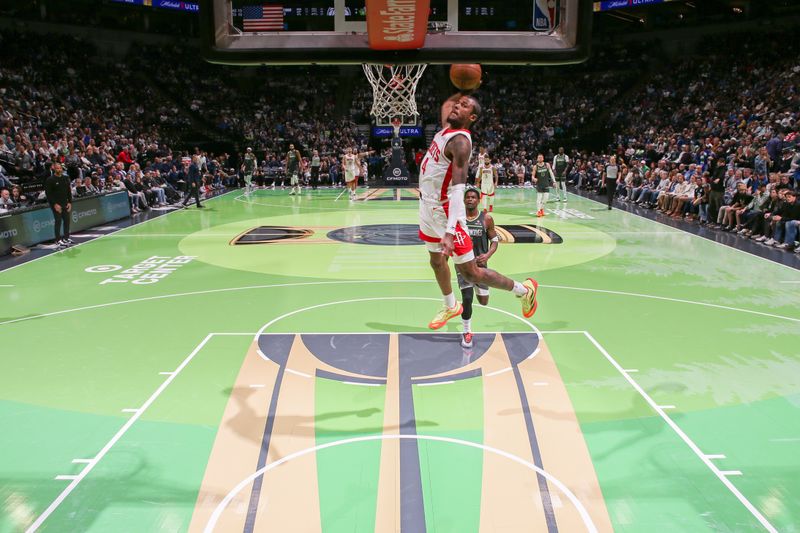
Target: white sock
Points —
{"points": [[519, 289], [450, 300], [467, 325]]}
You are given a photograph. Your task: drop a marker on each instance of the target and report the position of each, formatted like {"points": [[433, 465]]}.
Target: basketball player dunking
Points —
{"points": [[292, 164], [442, 214], [488, 182], [480, 227]]}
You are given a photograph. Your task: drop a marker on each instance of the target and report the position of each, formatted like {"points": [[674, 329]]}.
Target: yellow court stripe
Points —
{"points": [[237, 444], [290, 494], [387, 513], [510, 497], [565, 454]]}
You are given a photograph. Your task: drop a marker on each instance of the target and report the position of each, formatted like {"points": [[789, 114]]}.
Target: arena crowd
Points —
{"points": [[707, 137]]}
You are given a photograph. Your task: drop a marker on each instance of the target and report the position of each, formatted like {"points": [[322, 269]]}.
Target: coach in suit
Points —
{"points": [[193, 181]]}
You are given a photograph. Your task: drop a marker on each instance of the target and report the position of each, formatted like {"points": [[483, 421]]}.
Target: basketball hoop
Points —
{"points": [[394, 90]]}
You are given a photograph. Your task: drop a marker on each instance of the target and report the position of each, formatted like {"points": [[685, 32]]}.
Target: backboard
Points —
{"points": [[535, 32]]}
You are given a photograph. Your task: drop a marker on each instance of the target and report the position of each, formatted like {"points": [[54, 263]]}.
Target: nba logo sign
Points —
{"points": [[544, 14]]}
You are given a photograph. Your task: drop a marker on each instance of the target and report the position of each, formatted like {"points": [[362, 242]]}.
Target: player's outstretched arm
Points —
{"points": [[447, 107]]}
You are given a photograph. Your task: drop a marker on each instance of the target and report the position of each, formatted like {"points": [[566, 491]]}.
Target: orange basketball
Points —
{"points": [[466, 77]]}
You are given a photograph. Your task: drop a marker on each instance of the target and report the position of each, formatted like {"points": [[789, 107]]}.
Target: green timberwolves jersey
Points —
{"points": [[291, 160], [561, 165], [249, 164], [477, 232], [542, 177]]}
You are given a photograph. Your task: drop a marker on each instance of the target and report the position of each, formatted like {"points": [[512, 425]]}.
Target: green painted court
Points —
{"points": [[265, 365]]}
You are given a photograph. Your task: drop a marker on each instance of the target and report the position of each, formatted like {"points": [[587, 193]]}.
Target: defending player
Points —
{"points": [[248, 169], [442, 214], [560, 164], [292, 167], [488, 182], [542, 176], [480, 227]]}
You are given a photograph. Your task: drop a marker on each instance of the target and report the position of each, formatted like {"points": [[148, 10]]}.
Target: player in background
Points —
{"points": [[560, 165], [316, 162], [364, 166], [442, 214], [519, 171], [480, 227], [482, 155], [542, 176], [249, 166], [292, 168], [350, 169], [487, 178]]}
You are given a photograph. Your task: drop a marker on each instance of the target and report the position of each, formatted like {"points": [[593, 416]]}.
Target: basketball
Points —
{"points": [[466, 77]]}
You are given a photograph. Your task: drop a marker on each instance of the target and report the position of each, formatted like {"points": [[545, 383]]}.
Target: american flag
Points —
{"points": [[263, 18]]}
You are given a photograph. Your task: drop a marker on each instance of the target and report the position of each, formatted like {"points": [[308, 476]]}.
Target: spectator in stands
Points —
{"points": [[790, 210], [728, 213], [6, 202], [19, 199]]}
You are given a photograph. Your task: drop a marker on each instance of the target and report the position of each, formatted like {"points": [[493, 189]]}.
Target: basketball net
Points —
{"points": [[394, 92]]}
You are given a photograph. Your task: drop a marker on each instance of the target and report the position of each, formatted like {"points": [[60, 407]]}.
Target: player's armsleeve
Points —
{"points": [[457, 210]]}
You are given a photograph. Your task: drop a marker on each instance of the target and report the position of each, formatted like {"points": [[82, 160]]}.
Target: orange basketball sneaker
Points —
{"points": [[445, 314], [529, 303]]}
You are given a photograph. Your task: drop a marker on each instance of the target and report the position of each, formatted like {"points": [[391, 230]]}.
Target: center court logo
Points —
{"points": [[385, 235]]}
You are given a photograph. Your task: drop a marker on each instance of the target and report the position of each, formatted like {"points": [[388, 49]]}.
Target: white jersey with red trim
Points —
{"points": [[436, 169], [350, 163]]}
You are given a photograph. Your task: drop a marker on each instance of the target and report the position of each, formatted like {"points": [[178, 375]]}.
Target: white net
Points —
{"points": [[394, 90]]}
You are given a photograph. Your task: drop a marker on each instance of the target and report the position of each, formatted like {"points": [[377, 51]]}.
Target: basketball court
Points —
{"points": [[264, 364], [290, 384]]}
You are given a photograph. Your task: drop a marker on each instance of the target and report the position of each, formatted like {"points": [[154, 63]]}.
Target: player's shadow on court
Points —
{"points": [[634, 437], [21, 317], [392, 328], [557, 325], [245, 418]]}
